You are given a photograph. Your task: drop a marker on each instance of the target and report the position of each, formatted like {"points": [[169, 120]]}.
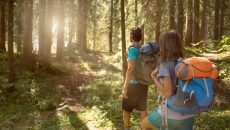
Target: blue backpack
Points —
{"points": [[192, 96]]}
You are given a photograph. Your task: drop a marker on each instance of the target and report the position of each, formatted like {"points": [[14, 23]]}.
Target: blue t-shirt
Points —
{"points": [[133, 54]]}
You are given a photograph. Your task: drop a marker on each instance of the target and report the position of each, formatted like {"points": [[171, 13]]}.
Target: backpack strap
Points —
{"points": [[164, 114], [206, 86]]}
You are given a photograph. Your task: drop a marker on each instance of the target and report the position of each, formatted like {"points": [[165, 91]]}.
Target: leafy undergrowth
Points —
{"points": [[86, 95]]}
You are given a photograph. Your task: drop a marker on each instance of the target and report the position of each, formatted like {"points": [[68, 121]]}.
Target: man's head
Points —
{"points": [[135, 34]]}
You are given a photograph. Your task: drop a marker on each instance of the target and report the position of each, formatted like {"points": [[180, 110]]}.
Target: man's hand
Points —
{"points": [[124, 93]]}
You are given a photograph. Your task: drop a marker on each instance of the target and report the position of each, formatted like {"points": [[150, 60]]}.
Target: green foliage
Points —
{"points": [[192, 51], [225, 43], [215, 120]]}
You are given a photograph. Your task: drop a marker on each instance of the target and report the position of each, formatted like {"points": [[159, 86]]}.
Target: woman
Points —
{"points": [[171, 49]]}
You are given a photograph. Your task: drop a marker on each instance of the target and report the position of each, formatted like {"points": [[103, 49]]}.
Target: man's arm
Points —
{"points": [[129, 75]]}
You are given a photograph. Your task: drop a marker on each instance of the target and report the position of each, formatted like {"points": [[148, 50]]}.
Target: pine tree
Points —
{"points": [[2, 25], [61, 30], [10, 40], [27, 38]]}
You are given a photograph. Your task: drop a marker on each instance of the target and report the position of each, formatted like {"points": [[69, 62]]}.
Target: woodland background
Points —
{"points": [[62, 62]]}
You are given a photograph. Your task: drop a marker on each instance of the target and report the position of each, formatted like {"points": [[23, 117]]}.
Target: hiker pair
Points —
{"points": [[194, 93]]}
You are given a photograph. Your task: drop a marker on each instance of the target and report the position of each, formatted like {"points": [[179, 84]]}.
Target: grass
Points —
{"points": [[86, 94]]}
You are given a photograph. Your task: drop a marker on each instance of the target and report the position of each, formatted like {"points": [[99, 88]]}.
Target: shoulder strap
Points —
{"points": [[134, 45]]}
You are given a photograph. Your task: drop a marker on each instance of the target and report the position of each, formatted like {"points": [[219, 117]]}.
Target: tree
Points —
{"points": [[27, 38], [71, 9], [203, 20], [19, 24], [221, 26], [172, 23], [136, 13], [61, 30], [196, 18], [48, 34], [124, 61], [158, 14], [41, 33], [10, 40], [2, 25], [95, 26], [111, 29], [216, 20], [82, 23], [180, 18], [189, 23]]}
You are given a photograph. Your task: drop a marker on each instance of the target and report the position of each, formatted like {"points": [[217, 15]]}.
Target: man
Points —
{"points": [[134, 94]]}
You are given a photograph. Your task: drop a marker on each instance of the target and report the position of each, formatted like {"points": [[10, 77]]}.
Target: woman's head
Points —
{"points": [[171, 46]]}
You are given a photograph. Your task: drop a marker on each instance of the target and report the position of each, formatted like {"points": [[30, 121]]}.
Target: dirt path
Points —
{"points": [[210, 56]]}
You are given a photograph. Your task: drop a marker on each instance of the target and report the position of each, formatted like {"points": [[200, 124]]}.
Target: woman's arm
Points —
{"points": [[166, 87]]}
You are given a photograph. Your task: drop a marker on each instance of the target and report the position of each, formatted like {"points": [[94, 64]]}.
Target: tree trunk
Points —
{"points": [[203, 20], [71, 32], [222, 10], [216, 20], [61, 30], [27, 38], [124, 61], [71, 25], [172, 23], [189, 23], [10, 40], [180, 18], [136, 13], [196, 28], [111, 29], [82, 24], [143, 33], [2, 25], [48, 34], [41, 33], [19, 24], [158, 15]]}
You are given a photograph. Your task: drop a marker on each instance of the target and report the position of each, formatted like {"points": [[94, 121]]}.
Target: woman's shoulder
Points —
{"points": [[168, 63]]}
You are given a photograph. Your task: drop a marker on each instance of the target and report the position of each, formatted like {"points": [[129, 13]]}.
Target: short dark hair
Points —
{"points": [[136, 34]]}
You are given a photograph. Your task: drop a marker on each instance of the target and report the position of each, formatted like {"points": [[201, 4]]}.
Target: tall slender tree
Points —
{"points": [[41, 33], [27, 38], [172, 13], [203, 20], [222, 10], [61, 30], [136, 13], [189, 22], [216, 20], [19, 24], [95, 25], [180, 18], [48, 34], [124, 61], [10, 40], [196, 18], [111, 29], [158, 14], [71, 7], [82, 23], [2, 25]]}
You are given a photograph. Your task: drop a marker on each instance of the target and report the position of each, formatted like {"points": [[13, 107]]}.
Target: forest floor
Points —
{"points": [[84, 94]]}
